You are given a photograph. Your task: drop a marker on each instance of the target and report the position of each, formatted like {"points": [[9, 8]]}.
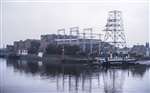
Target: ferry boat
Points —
{"points": [[116, 60]]}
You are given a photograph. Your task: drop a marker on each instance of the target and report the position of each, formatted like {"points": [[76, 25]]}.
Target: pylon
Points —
{"points": [[114, 31]]}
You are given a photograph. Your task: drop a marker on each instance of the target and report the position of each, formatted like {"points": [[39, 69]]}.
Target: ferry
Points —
{"points": [[115, 60]]}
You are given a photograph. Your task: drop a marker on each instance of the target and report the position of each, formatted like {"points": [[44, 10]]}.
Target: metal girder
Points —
{"points": [[114, 31]]}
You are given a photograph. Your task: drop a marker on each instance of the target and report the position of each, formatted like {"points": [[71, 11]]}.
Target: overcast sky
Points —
{"points": [[29, 19]]}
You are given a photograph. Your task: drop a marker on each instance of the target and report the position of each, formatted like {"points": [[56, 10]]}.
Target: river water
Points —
{"points": [[37, 77]]}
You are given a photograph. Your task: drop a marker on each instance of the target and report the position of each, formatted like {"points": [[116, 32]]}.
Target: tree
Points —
{"points": [[58, 49], [34, 47], [71, 50], [53, 49]]}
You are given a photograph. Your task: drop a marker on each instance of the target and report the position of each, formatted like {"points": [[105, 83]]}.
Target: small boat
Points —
{"points": [[117, 60], [121, 60]]}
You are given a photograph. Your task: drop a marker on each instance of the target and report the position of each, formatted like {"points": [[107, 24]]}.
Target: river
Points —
{"points": [[18, 76]]}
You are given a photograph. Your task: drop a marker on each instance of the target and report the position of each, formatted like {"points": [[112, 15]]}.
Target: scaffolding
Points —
{"points": [[114, 31], [90, 30], [74, 31], [76, 37]]}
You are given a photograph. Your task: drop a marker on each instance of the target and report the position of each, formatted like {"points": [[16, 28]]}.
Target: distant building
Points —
{"points": [[139, 50], [84, 44], [87, 45], [46, 40], [21, 47], [123, 50], [52, 39]]}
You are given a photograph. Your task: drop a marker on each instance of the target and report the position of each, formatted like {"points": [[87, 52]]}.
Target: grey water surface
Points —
{"points": [[18, 76]]}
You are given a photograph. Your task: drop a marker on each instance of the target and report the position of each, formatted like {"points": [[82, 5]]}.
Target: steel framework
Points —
{"points": [[114, 31], [81, 38], [74, 31], [61, 32]]}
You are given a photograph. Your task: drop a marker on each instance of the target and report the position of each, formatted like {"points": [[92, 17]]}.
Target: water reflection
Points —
{"points": [[80, 78]]}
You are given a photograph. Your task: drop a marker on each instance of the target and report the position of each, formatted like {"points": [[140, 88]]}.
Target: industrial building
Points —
{"points": [[114, 40]]}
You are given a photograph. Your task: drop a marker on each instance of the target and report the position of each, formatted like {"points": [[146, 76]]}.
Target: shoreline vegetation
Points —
{"points": [[75, 60]]}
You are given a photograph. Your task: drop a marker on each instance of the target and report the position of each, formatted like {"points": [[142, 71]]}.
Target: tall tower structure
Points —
{"points": [[114, 31]]}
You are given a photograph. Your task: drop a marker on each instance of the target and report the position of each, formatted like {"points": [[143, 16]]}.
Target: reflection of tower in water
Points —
{"points": [[113, 81], [110, 81], [75, 83]]}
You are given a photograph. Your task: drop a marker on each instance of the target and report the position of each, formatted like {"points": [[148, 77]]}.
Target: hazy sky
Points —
{"points": [[29, 19]]}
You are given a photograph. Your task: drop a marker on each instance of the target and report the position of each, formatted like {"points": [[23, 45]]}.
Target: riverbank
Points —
{"points": [[71, 59], [58, 59]]}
